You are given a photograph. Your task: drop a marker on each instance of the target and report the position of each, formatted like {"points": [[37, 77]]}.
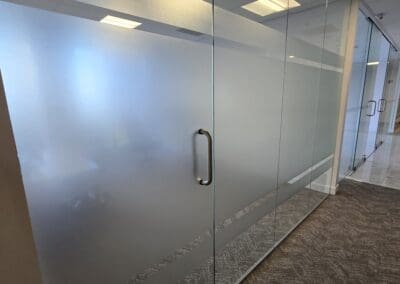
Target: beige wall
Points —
{"points": [[18, 261]]}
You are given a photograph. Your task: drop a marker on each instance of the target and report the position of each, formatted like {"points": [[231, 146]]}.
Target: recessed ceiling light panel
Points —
{"points": [[267, 7], [120, 22], [290, 5]]}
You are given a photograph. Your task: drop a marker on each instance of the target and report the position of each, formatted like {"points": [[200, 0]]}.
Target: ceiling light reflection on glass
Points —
{"points": [[120, 22], [373, 63], [268, 7]]}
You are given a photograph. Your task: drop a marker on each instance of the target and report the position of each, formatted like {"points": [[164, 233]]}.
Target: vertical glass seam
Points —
{"points": [[281, 121], [214, 136]]}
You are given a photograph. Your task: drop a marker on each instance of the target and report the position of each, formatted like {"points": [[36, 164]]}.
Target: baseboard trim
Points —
{"points": [[334, 189]]}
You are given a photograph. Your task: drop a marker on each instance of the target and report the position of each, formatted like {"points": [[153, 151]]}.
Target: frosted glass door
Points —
{"points": [[106, 122]]}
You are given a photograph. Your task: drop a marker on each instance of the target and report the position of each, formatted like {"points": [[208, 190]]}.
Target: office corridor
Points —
{"points": [[353, 237]]}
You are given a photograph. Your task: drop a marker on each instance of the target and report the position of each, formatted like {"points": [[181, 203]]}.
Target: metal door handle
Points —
{"points": [[210, 159], [382, 102], [372, 101]]}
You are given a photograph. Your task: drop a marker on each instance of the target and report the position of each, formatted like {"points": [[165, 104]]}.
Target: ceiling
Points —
{"points": [[389, 10]]}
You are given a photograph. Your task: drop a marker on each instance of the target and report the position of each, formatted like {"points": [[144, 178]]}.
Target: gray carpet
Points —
{"points": [[353, 237]]}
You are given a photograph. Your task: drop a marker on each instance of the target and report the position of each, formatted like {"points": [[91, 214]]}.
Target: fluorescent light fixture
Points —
{"points": [[373, 63], [120, 22], [263, 7], [285, 4], [291, 56], [267, 7]]}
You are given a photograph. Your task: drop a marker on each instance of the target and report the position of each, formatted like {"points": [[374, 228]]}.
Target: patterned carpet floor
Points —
{"points": [[238, 255], [353, 237]]}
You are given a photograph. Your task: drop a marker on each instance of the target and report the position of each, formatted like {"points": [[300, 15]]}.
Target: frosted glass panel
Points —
{"points": [[300, 104], [105, 121], [356, 89], [248, 70]]}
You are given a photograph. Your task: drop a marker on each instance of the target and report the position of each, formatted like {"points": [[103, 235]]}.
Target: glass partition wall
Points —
{"points": [[248, 84], [299, 112], [373, 96], [170, 141], [355, 96], [388, 105]]}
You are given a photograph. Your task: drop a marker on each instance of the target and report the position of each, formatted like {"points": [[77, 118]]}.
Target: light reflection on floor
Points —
{"points": [[383, 166]]}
